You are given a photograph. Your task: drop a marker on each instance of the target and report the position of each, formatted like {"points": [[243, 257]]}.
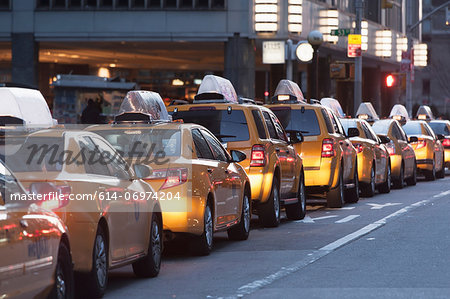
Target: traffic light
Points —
{"points": [[390, 80]]}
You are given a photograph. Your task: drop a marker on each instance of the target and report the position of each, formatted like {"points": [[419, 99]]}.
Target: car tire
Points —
{"points": [[93, 284], [352, 195], [431, 174], [399, 182], [335, 197], [386, 186], [269, 212], [203, 244], [441, 173], [368, 189], [64, 282], [150, 265], [297, 211], [412, 180], [241, 231]]}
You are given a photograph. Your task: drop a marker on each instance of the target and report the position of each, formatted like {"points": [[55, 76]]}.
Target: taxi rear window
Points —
{"points": [[440, 128], [296, 120], [381, 127], [226, 126], [134, 143], [412, 128]]}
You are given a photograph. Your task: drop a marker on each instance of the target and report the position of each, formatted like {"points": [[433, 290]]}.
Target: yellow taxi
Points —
{"points": [[442, 129], [100, 198], [34, 246], [272, 165], [401, 153], [373, 157], [428, 149], [187, 162], [329, 158]]}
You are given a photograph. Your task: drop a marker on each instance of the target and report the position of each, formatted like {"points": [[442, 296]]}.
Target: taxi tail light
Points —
{"points": [[57, 201], [358, 147], [172, 177], [258, 156], [421, 144], [446, 143], [390, 148], [327, 148]]}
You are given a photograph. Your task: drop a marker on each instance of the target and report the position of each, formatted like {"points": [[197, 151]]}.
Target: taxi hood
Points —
{"points": [[140, 104]]}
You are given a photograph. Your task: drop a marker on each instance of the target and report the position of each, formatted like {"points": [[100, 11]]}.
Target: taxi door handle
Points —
{"points": [[209, 170]]}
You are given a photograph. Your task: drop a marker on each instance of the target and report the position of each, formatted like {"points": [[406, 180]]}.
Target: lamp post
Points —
{"points": [[315, 38]]}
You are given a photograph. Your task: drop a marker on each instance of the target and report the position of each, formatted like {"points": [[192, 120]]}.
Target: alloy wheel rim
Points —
{"points": [[302, 196], [208, 226], [156, 243], [246, 214], [341, 187], [100, 260], [388, 179], [60, 283], [276, 203], [372, 179]]}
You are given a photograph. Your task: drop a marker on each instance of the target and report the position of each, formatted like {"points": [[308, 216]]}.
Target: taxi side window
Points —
{"points": [[279, 128], [259, 124], [216, 147], [270, 126], [92, 158], [367, 132], [337, 125], [116, 165], [429, 131], [397, 132], [201, 147], [327, 121]]}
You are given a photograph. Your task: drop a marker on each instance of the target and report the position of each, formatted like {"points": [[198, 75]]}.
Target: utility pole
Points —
{"points": [[409, 29], [289, 60], [358, 60]]}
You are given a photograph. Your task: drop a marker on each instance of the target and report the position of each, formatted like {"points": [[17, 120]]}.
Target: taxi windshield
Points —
{"points": [[295, 120], [226, 126], [440, 128], [134, 143], [412, 128]]}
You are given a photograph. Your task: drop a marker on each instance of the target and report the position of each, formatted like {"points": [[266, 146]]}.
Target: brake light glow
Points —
{"points": [[258, 156], [172, 177], [56, 201], [328, 148], [358, 147], [421, 144], [446, 142]]}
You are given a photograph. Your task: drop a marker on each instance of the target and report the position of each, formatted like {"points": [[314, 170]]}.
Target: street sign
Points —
{"points": [[354, 45], [274, 52], [340, 32]]}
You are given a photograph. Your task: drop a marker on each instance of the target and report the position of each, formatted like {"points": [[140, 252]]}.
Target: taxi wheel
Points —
{"points": [[352, 195], [297, 211], [64, 283], [386, 186], [335, 197], [95, 283], [241, 231], [368, 190], [431, 175], [412, 181], [269, 212], [150, 265], [203, 245], [441, 173], [398, 182]]}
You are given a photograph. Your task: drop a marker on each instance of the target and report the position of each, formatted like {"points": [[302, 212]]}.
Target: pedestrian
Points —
{"points": [[90, 114]]}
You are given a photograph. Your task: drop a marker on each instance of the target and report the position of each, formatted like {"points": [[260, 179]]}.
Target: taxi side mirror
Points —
{"points": [[142, 171], [295, 137], [440, 137], [413, 139], [237, 156], [384, 139], [352, 132]]}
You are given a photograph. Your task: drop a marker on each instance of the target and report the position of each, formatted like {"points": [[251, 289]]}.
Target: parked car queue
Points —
{"points": [[225, 158]]}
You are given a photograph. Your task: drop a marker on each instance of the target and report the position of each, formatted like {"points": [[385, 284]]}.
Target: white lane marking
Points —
{"points": [[370, 239], [338, 209], [442, 194], [375, 206], [308, 219], [317, 254], [347, 219]]}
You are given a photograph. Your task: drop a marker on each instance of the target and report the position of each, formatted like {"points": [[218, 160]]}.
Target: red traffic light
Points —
{"points": [[266, 93], [390, 80]]}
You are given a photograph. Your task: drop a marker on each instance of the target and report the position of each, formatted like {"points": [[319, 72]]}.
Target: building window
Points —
{"points": [[170, 3], [59, 4], [426, 87], [4, 5], [45, 4], [74, 4], [106, 4], [90, 4]]}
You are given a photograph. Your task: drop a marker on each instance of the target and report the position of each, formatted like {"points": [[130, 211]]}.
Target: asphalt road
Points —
{"points": [[394, 245]]}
